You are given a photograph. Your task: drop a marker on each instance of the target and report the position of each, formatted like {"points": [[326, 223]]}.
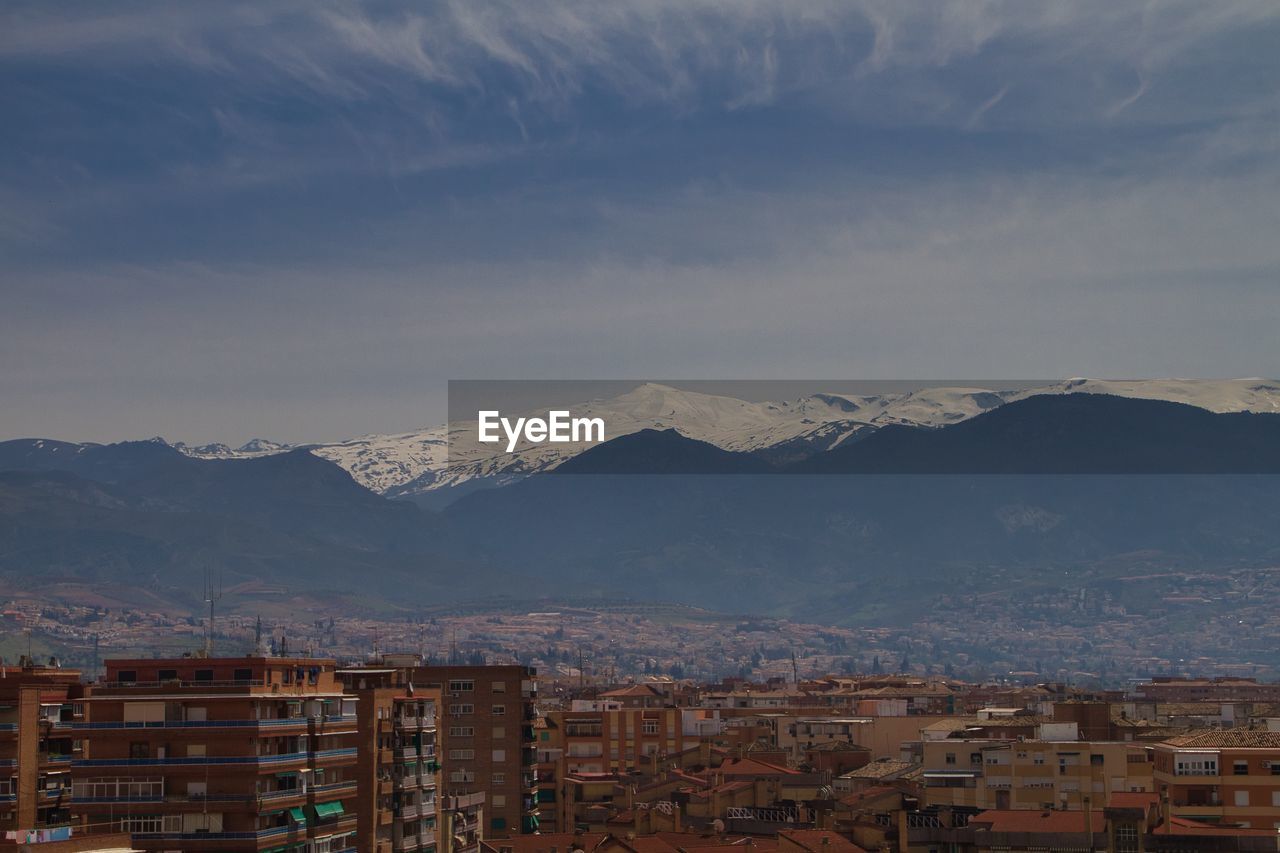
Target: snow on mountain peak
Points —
{"points": [[417, 462]]}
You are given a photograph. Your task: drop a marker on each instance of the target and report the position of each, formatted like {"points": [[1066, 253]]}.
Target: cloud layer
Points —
{"points": [[299, 219]]}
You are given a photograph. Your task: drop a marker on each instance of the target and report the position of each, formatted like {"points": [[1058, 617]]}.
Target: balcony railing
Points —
{"points": [[200, 761], [116, 725], [176, 682]]}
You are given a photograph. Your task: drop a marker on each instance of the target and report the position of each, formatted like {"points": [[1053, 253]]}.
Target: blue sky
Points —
{"points": [[299, 220]]}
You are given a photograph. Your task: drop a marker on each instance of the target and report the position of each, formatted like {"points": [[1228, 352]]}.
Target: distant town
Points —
{"points": [[1103, 631]]}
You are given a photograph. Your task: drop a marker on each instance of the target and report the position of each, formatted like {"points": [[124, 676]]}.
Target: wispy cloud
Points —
{"points": [[355, 199]]}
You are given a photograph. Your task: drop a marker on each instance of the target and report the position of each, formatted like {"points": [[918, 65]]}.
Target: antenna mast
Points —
{"points": [[212, 593]]}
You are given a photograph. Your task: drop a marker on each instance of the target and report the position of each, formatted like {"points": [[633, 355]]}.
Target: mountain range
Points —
{"points": [[1032, 489], [418, 465]]}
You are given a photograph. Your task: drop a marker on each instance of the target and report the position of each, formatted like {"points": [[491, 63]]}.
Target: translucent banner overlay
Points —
{"points": [[505, 430]]}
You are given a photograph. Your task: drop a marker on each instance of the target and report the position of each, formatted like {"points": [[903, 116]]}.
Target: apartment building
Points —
{"points": [[35, 751], [1230, 776], [1032, 774], [227, 754], [462, 822], [486, 740], [397, 806], [612, 739]]}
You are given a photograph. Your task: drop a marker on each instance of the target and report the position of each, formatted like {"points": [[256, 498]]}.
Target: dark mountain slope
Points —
{"points": [[1069, 434]]}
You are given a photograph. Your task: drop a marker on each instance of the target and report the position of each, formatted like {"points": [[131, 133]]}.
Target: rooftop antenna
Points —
{"points": [[212, 593], [259, 644]]}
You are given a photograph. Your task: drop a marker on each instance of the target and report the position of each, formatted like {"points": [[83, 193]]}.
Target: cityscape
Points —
{"points": [[639, 426]]}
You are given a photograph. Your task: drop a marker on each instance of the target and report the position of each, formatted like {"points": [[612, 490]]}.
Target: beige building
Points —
{"points": [[1032, 774]]}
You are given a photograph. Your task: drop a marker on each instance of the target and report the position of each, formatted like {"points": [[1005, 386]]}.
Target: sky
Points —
{"points": [[298, 220]]}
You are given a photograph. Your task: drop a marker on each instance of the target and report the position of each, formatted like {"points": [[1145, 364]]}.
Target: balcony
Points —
{"points": [[121, 725], [285, 758]]}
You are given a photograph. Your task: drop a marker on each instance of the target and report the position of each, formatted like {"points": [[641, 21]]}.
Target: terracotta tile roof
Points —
{"points": [[860, 798], [1184, 826], [641, 690], [561, 841], [1132, 800], [751, 767], [881, 769], [1036, 820], [1238, 738], [819, 841]]}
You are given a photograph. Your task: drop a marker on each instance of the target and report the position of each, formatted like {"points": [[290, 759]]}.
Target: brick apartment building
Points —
{"points": [[1230, 776], [35, 750], [486, 739], [227, 754], [397, 805]]}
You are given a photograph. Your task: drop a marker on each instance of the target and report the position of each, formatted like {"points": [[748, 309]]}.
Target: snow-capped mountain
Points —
{"points": [[249, 450], [413, 463]]}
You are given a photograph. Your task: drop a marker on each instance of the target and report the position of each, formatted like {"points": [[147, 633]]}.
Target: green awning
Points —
{"points": [[296, 815], [328, 810]]}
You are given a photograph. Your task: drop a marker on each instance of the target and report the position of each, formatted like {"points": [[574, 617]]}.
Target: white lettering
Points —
{"points": [[488, 423], [558, 420], [559, 427], [587, 424], [513, 434]]}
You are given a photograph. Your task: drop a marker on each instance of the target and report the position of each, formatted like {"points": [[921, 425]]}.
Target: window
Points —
{"points": [[649, 727], [499, 710], [1242, 798], [139, 749], [462, 754], [462, 776], [1096, 760], [499, 732], [127, 676], [168, 675], [1240, 768], [499, 755], [462, 686], [1038, 758], [204, 675], [461, 731], [462, 710], [951, 758], [1196, 765], [243, 675], [498, 823], [498, 687], [975, 758], [498, 778], [498, 800]]}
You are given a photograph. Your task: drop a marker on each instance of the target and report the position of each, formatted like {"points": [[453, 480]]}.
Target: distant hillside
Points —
{"points": [[1069, 434], [657, 521]]}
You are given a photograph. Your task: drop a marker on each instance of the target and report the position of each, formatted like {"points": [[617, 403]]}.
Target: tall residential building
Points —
{"points": [[227, 754], [35, 749], [397, 804], [487, 741]]}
